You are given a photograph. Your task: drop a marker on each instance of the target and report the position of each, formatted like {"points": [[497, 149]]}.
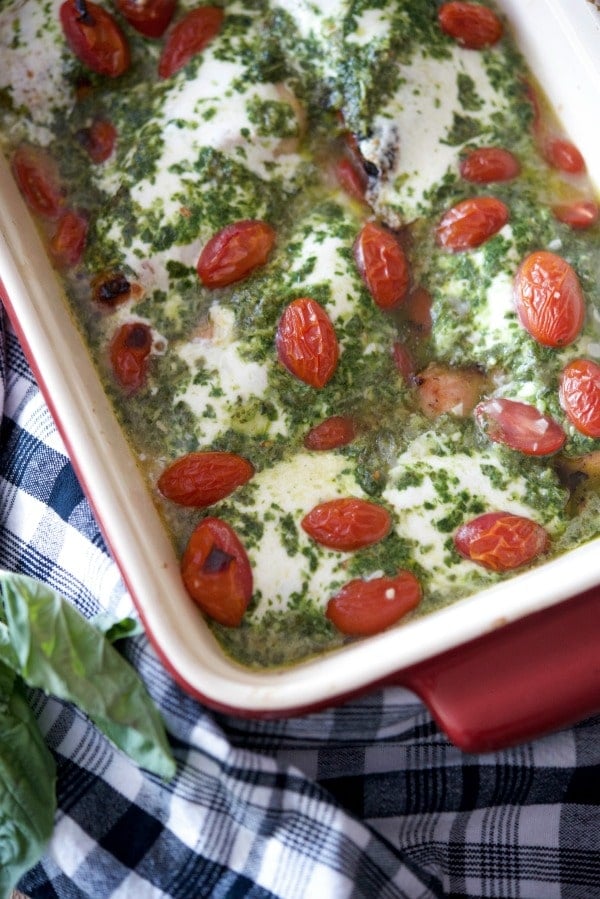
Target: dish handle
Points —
{"points": [[514, 684]]}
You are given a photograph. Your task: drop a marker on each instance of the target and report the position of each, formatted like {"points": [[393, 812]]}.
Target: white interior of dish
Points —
{"points": [[561, 39]]}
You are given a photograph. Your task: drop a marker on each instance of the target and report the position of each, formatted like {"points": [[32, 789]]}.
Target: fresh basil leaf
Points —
{"points": [[60, 652], [116, 629], [27, 784]]}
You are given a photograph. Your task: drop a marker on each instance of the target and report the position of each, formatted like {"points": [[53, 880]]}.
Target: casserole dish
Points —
{"points": [[423, 651]]}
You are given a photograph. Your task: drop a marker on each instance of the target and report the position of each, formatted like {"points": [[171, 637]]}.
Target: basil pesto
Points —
{"points": [[250, 128]]}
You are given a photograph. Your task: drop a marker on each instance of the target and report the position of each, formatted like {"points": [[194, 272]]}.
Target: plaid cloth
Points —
{"points": [[365, 800]]}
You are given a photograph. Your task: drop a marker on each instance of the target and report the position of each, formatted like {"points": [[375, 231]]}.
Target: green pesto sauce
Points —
{"points": [[329, 71]]}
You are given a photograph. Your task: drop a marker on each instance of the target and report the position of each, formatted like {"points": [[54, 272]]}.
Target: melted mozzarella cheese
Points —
{"points": [[292, 488], [33, 50], [409, 145], [425, 505]]}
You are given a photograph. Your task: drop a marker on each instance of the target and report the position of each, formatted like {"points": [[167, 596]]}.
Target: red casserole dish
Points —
{"points": [[493, 669]]}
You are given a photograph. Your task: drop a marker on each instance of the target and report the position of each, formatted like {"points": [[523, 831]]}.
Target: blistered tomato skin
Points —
{"points": [[339, 430], [488, 164], [306, 342], [471, 222], [362, 608], [216, 572], [189, 36], [563, 155], [347, 524], [98, 140], [382, 265], [471, 25], [549, 299], [520, 426], [501, 541], [579, 392], [233, 253], [95, 37], [149, 18], [37, 177], [579, 214], [202, 478], [129, 354], [68, 241]]}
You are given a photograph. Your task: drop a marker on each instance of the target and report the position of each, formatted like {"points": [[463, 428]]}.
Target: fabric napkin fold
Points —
{"points": [[368, 799]]}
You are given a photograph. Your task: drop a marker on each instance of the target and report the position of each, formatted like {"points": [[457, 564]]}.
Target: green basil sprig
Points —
{"points": [[46, 643]]}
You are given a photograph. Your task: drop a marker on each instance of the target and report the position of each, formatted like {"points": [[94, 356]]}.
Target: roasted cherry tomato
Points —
{"points": [[382, 265], [417, 309], [578, 215], [501, 541], [216, 572], [94, 37], [98, 140], [488, 164], [202, 478], [189, 36], [563, 155], [234, 252], [306, 342], [368, 607], [579, 393], [129, 354], [68, 241], [403, 360], [470, 24], [37, 177], [443, 389], [520, 426], [339, 430], [471, 222], [347, 524], [110, 289], [351, 177], [549, 299], [149, 17]]}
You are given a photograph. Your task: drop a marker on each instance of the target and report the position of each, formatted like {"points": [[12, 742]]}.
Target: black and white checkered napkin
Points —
{"points": [[365, 800]]}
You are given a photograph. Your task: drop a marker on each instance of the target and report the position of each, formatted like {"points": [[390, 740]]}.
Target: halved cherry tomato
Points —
{"points": [[579, 393], [37, 177], [443, 389], [549, 299], [306, 342], [471, 222], [347, 524], [382, 265], [487, 164], [563, 155], [470, 24], [129, 353], [202, 478], [520, 426], [501, 541], [339, 430], [362, 608], [68, 241], [234, 252], [216, 572], [189, 36], [98, 140], [94, 37], [578, 215], [149, 17]]}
